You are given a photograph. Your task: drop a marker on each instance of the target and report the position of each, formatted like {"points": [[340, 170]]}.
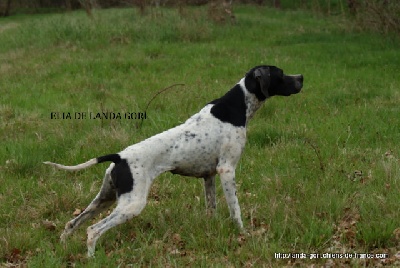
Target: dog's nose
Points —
{"points": [[299, 82]]}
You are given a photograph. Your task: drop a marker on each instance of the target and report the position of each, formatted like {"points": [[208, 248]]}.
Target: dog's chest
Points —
{"points": [[200, 143]]}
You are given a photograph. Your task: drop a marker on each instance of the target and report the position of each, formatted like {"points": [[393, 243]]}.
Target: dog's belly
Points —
{"points": [[194, 158], [196, 169], [196, 172]]}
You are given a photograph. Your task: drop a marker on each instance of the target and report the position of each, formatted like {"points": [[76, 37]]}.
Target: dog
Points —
{"points": [[208, 143]]}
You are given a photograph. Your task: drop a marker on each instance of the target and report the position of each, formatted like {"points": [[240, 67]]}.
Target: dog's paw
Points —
{"points": [[63, 238], [244, 232], [90, 254]]}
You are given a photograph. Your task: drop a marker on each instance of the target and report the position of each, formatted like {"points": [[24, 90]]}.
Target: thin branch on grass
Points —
{"points": [[138, 126]]}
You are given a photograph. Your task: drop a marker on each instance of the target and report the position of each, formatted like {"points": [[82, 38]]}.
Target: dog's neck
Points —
{"points": [[252, 102]]}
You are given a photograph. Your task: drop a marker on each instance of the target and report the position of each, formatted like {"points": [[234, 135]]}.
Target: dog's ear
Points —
{"points": [[263, 77]]}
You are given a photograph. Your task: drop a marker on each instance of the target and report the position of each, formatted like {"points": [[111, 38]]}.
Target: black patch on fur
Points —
{"points": [[122, 177], [231, 108], [109, 158]]}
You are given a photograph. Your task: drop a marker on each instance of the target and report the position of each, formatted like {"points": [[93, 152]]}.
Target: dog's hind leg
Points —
{"points": [[102, 201], [209, 189], [130, 204]]}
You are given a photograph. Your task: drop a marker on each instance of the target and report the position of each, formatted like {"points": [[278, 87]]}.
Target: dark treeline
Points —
{"points": [[8, 7], [376, 15]]}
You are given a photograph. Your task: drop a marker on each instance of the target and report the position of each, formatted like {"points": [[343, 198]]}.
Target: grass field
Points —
{"points": [[320, 172]]}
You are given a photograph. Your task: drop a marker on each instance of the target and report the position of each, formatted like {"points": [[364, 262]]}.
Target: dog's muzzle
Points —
{"points": [[298, 81]]}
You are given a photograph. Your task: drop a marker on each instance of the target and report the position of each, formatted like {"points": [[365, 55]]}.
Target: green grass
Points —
{"points": [[320, 170]]}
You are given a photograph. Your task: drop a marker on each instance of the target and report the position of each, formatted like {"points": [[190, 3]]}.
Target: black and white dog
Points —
{"points": [[208, 143]]}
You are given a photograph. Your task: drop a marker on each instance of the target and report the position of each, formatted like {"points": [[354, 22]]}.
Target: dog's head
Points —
{"points": [[267, 81]]}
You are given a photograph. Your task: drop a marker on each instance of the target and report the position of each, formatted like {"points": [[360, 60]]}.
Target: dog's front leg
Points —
{"points": [[229, 186]]}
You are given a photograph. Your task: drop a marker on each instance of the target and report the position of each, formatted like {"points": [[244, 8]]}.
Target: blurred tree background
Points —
{"points": [[373, 15]]}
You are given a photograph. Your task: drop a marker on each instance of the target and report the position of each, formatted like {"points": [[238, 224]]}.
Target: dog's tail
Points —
{"points": [[116, 158]]}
